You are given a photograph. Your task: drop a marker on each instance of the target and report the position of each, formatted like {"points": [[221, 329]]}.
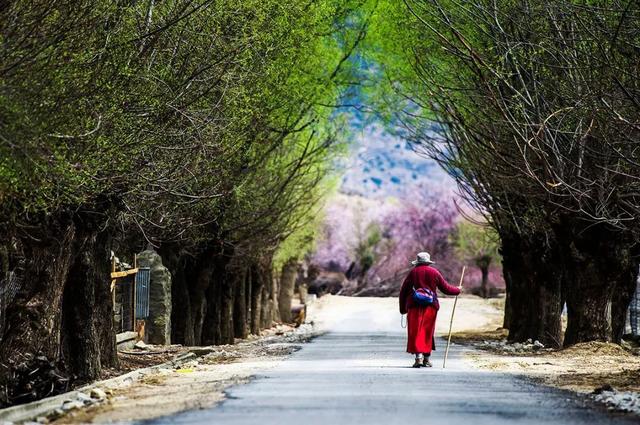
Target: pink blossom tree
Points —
{"points": [[423, 223], [379, 239], [347, 225]]}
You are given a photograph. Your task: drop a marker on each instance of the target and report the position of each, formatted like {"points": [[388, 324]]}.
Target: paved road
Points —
{"points": [[363, 377]]}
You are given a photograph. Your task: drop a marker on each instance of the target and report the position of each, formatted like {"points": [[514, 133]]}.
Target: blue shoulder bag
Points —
{"points": [[423, 297]]}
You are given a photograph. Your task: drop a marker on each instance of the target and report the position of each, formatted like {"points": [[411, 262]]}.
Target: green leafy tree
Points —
{"points": [[477, 244], [367, 247], [535, 149], [205, 129]]}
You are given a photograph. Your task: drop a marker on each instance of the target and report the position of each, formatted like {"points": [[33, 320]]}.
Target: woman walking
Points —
{"points": [[419, 301]]}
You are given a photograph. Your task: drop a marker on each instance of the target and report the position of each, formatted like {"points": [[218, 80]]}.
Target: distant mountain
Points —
{"points": [[381, 165]]}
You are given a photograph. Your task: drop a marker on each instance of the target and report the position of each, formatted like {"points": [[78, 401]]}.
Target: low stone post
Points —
{"points": [[158, 327]]}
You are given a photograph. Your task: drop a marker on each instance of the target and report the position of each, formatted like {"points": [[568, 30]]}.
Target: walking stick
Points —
{"points": [[446, 352]]}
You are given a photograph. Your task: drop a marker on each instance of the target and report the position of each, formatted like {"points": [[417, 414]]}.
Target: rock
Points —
{"points": [[202, 351], [158, 326], [55, 414], [189, 365], [604, 388], [85, 398], [140, 345], [98, 394], [67, 406], [537, 345], [184, 356]]}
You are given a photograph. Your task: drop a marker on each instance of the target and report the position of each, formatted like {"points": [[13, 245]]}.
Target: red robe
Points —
{"points": [[421, 321]]}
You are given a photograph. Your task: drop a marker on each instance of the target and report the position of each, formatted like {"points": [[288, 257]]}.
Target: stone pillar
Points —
{"points": [[158, 327]]}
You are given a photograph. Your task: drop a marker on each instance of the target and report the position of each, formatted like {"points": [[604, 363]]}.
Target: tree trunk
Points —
{"points": [[240, 316], [256, 299], [483, 262], [588, 310], [197, 295], [274, 316], [227, 330], [548, 302], [37, 270], [485, 281], [620, 304], [88, 338], [181, 267], [508, 311], [535, 289], [211, 322], [181, 310], [218, 323], [602, 267], [265, 301], [287, 285], [63, 309], [269, 310]]}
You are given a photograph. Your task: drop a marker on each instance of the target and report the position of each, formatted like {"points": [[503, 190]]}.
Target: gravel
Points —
{"points": [[620, 401], [512, 348]]}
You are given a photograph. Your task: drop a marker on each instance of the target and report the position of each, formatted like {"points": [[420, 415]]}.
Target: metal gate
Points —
{"points": [[143, 280], [133, 296]]}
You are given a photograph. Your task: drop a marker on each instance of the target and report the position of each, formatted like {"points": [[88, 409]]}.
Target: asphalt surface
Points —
{"points": [[363, 376]]}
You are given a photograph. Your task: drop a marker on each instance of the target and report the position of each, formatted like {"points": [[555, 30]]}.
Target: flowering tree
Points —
{"points": [[423, 223], [375, 241], [349, 232]]}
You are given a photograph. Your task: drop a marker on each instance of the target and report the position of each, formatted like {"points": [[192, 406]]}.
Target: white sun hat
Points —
{"points": [[422, 258]]}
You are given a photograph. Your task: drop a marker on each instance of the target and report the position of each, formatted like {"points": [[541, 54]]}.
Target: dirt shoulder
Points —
{"points": [[609, 373], [583, 368], [196, 384]]}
